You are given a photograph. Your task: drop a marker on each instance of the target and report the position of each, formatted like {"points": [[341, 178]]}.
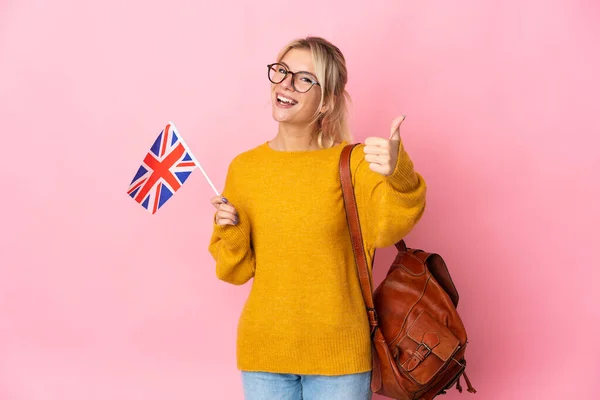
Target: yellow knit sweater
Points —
{"points": [[305, 312]]}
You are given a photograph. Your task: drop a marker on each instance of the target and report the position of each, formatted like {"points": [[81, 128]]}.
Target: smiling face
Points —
{"points": [[290, 106]]}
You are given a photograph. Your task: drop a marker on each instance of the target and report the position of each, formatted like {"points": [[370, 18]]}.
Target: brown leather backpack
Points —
{"points": [[418, 338]]}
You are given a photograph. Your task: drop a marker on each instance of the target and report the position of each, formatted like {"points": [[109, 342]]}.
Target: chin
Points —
{"points": [[290, 116], [281, 116]]}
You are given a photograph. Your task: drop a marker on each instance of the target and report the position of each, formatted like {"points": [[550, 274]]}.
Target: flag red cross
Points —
{"points": [[161, 169]]}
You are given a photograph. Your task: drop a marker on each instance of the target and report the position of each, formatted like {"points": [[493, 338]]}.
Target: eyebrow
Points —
{"points": [[306, 72]]}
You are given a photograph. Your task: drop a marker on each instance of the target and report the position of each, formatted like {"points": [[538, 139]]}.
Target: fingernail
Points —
{"points": [[224, 200]]}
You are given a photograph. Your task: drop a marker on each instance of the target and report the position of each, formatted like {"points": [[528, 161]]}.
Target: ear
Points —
{"points": [[327, 106]]}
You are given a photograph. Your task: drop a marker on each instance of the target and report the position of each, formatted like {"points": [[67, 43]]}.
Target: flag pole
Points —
{"points": [[194, 158]]}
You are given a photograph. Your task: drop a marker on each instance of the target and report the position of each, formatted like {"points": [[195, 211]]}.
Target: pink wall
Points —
{"points": [[100, 300]]}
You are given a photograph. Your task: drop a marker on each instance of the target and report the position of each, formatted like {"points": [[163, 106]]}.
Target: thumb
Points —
{"points": [[395, 128], [218, 200]]}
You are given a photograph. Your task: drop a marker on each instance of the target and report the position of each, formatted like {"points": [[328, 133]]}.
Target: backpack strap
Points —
{"points": [[356, 235]]}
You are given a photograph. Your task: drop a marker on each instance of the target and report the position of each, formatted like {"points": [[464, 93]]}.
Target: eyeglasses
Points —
{"points": [[301, 81]]}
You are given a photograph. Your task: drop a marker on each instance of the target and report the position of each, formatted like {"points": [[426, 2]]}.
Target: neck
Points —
{"points": [[295, 138]]}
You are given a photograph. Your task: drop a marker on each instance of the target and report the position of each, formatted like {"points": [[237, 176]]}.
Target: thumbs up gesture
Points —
{"points": [[382, 154]]}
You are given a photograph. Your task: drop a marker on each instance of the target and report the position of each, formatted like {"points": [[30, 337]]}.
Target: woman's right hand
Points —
{"points": [[226, 213]]}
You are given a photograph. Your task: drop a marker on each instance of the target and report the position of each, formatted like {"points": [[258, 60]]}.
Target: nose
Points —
{"points": [[286, 83]]}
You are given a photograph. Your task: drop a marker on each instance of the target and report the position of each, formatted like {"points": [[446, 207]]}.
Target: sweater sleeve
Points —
{"points": [[389, 206], [230, 245]]}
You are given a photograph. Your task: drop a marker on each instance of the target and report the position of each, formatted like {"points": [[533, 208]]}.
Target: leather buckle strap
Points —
{"points": [[417, 356], [373, 319]]}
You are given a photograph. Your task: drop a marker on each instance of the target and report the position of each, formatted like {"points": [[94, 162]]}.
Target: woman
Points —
{"points": [[303, 332]]}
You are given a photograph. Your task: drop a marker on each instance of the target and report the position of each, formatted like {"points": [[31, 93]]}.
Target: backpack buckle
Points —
{"points": [[427, 348]]}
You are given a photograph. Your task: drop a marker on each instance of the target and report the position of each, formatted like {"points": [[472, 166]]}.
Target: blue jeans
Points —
{"points": [[271, 386]]}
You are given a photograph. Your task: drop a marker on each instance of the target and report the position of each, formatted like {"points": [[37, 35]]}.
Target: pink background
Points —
{"points": [[101, 300]]}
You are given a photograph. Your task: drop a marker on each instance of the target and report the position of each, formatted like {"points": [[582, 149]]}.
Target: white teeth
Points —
{"points": [[285, 100]]}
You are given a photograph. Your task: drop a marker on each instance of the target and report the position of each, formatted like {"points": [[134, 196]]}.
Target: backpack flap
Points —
{"points": [[426, 348], [436, 265]]}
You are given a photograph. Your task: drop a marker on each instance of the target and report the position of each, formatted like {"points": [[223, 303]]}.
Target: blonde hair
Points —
{"points": [[330, 68]]}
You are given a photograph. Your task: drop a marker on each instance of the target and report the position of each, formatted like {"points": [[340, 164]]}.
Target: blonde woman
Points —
{"points": [[303, 332]]}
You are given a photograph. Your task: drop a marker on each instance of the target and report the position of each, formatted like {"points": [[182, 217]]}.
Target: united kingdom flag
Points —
{"points": [[165, 168]]}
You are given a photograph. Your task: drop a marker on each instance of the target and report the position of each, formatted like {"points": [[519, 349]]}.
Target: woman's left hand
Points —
{"points": [[382, 154]]}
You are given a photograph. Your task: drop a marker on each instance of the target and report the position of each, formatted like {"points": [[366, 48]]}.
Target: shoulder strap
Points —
{"points": [[355, 234]]}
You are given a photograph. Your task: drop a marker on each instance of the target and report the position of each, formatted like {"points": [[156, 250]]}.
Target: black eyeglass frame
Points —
{"points": [[287, 71]]}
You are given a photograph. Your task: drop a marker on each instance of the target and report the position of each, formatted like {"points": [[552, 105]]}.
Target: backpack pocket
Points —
{"points": [[426, 348]]}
